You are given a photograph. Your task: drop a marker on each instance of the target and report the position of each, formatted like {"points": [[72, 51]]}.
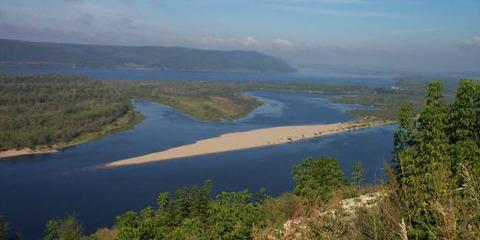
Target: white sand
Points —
{"points": [[246, 140], [24, 151]]}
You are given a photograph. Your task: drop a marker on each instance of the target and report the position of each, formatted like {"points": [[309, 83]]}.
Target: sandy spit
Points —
{"points": [[24, 151], [248, 139]]}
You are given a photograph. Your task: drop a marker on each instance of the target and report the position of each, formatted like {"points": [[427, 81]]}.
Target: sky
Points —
{"points": [[373, 35]]}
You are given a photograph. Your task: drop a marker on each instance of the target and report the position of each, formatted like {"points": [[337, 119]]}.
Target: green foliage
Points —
{"points": [[66, 229], [462, 113], [358, 173], [280, 209], [316, 179], [435, 156], [48, 110], [404, 137], [261, 196], [193, 214], [232, 217], [205, 100]]}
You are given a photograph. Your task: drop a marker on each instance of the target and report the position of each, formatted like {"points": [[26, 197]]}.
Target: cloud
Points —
{"points": [[247, 41], [414, 30], [333, 12], [283, 43], [474, 41]]}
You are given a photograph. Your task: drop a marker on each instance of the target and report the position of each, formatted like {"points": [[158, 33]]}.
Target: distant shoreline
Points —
{"points": [[250, 139]]}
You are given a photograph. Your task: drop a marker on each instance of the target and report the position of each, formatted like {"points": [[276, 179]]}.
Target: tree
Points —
{"points": [[404, 137], [128, 226], [316, 179], [430, 195], [65, 229], [463, 126], [434, 143], [232, 217], [461, 115], [358, 173], [200, 200], [261, 196], [477, 112], [188, 229]]}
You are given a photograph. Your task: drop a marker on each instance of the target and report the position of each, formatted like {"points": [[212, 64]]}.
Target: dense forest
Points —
{"points": [[432, 191], [50, 111], [16, 52]]}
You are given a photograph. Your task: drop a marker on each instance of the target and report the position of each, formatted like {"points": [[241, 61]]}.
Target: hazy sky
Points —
{"points": [[413, 35]]}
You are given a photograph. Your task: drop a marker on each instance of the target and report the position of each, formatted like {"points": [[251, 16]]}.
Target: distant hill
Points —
{"points": [[16, 52]]}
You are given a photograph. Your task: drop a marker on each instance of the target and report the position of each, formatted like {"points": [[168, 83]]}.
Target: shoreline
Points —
{"points": [[24, 152], [249, 139], [124, 122]]}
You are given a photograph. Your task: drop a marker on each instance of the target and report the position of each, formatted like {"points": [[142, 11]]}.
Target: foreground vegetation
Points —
{"points": [[432, 192]]}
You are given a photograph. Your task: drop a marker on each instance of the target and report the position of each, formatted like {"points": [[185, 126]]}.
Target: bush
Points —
{"points": [[316, 179]]}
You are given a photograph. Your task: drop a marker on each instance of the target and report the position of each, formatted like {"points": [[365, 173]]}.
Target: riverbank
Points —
{"points": [[23, 152], [126, 122], [250, 139]]}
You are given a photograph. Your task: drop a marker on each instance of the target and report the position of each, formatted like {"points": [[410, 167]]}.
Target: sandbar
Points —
{"points": [[249, 139], [24, 151]]}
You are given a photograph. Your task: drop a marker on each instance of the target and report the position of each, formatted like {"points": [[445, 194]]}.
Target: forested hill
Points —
{"points": [[98, 56]]}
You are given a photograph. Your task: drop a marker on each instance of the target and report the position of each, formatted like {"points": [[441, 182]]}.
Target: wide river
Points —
{"points": [[35, 189]]}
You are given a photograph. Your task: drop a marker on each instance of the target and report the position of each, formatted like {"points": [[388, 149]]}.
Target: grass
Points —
{"points": [[211, 108]]}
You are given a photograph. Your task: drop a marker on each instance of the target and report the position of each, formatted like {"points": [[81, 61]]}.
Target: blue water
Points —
{"points": [[298, 77], [38, 188]]}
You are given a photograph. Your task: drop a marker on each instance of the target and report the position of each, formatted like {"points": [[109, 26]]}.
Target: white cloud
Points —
{"points": [[334, 11], [414, 30], [283, 43], [474, 41], [247, 41]]}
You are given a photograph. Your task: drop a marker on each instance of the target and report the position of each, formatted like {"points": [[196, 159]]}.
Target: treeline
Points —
{"points": [[45, 110]]}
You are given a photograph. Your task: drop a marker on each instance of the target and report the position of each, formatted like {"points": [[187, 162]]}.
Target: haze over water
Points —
{"points": [[331, 78]]}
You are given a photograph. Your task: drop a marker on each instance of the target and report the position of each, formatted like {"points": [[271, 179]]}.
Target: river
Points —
{"points": [[35, 189]]}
